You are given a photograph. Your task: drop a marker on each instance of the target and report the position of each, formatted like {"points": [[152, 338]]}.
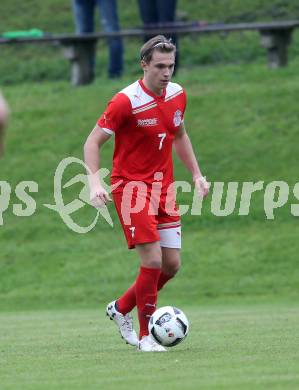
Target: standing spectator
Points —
{"points": [[3, 121], [155, 13], [84, 18]]}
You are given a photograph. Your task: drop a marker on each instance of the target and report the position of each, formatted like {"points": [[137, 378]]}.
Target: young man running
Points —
{"points": [[146, 119]]}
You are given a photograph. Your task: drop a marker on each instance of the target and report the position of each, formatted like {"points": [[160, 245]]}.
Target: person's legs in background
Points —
{"points": [[166, 13], [158, 12], [148, 14], [166, 10], [84, 15], [109, 19], [83, 11]]}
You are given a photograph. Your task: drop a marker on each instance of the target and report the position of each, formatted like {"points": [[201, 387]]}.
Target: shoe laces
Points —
{"points": [[127, 323]]}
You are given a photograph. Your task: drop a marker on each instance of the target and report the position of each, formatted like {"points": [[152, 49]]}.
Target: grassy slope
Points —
{"points": [[229, 347], [46, 62], [242, 120]]}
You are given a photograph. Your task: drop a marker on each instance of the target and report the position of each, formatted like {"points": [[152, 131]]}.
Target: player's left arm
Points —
{"points": [[184, 150]]}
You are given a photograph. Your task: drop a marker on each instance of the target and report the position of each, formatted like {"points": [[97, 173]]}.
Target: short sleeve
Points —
{"points": [[116, 114], [183, 103]]}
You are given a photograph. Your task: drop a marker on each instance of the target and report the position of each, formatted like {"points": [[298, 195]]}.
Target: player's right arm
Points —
{"points": [[110, 122], [92, 158], [4, 112]]}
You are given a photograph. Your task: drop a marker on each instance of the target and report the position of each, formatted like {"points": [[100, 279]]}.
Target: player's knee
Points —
{"points": [[172, 267], [176, 267], [150, 255], [153, 263]]}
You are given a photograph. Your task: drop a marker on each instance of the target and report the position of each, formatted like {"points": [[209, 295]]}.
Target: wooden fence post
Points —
{"points": [[80, 54], [276, 42]]}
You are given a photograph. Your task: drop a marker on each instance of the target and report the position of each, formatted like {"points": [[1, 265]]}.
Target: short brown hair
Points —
{"points": [[159, 43]]}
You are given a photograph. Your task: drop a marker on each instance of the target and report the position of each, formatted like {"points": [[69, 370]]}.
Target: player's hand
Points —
{"points": [[99, 196], [202, 186]]}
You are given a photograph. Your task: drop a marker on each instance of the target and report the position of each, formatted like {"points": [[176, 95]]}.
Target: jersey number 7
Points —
{"points": [[162, 136]]}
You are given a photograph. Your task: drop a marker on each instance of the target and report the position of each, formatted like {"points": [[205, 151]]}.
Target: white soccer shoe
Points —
{"points": [[148, 344], [124, 323]]}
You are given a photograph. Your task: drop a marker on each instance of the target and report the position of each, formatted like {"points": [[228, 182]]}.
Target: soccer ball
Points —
{"points": [[168, 326]]}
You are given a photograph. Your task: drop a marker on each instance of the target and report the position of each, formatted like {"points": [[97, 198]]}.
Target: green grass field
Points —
{"points": [[243, 123], [239, 278], [229, 347]]}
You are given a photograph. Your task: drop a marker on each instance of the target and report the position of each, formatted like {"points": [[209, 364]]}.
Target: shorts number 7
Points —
{"points": [[162, 136]]}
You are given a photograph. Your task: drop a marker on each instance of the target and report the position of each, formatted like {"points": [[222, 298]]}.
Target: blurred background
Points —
{"points": [[243, 121], [23, 63]]}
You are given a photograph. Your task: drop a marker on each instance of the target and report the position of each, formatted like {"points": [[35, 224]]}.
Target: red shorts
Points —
{"points": [[143, 214]]}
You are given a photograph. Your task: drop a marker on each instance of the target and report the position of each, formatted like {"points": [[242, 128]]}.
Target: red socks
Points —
{"points": [[144, 291], [127, 301], [163, 279], [146, 296]]}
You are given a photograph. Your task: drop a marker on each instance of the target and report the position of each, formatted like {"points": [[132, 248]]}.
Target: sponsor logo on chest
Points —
{"points": [[147, 122]]}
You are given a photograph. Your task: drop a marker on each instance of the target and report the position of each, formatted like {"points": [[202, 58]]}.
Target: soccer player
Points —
{"points": [[3, 121], [147, 121]]}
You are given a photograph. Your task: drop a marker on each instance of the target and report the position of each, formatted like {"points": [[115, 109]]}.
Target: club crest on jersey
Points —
{"points": [[147, 122], [177, 118]]}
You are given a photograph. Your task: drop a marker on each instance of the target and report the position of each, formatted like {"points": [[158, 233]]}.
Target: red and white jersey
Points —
{"points": [[144, 125]]}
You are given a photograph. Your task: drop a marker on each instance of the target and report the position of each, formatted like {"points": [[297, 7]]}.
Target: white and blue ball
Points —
{"points": [[168, 326]]}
